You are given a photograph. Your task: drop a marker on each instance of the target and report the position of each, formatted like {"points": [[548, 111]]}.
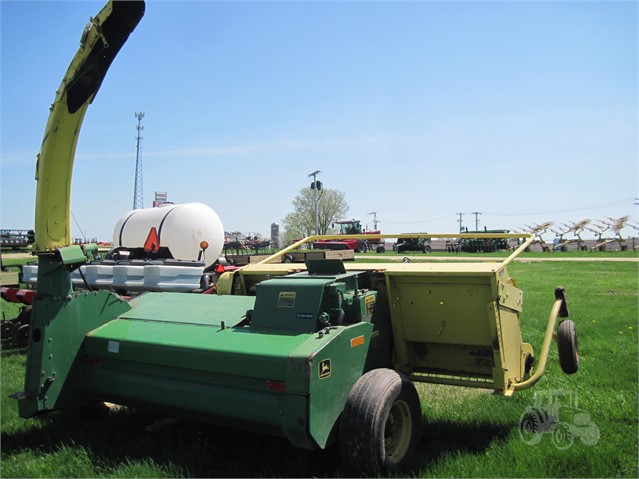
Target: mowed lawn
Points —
{"points": [[467, 432]]}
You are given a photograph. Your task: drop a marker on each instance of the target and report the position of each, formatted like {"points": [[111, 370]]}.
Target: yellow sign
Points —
{"points": [[370, 303]]}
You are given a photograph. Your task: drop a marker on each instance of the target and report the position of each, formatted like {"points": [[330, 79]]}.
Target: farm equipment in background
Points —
{"points": [[345, 241], [561, 244], [319, 354], [422, 245], [609, 224], [17, 239], [480, 243], [17, 329], [10, 278], [537, 231], [238, 244], [9, 275], [635, 226]]}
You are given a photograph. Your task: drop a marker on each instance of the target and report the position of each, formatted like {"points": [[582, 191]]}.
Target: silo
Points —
{"points": [[275, 235]]}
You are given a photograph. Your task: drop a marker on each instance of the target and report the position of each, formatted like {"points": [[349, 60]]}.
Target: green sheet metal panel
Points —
{"points": [[233, 401], [257, 381], [197, 347], [285, 304], [72, 255], [58, 329], [204, 309], [334, 370]]}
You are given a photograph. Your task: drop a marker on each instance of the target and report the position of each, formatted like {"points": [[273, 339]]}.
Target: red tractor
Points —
{"points": [[351, 227]]}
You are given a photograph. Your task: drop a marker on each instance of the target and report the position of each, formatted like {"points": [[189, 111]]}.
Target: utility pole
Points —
{"points": [[138, 195], [317, 186], [374, 213], [476, 213], [461, 227]]}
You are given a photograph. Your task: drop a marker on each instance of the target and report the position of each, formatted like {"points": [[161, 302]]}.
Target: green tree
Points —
{"points": [[301, 221]]}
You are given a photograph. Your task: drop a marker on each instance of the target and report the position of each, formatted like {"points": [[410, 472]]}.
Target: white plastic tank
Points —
{"points": [[180, 228]]}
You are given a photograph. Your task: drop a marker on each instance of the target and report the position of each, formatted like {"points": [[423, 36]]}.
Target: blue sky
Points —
{"points": [[523, 111]]}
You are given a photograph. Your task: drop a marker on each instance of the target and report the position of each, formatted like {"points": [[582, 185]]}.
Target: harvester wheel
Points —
{"points": [[362, 247], [20, 335], [25, 315], [6, 326], [381, 249], [427, 249], [381, 423], [567, 346]]}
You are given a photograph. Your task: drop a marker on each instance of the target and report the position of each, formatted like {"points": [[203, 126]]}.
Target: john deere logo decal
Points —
{"points": [[325, 369]]}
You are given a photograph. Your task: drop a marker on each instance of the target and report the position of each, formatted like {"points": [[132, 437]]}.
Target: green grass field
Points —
{"points": [[467, 432]]}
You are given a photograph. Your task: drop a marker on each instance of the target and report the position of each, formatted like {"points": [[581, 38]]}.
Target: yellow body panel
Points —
{"points": [[101, 40]]}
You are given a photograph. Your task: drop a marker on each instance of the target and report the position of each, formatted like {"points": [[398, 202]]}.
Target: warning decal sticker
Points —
{"points": [[370, 304], [286, 299]]}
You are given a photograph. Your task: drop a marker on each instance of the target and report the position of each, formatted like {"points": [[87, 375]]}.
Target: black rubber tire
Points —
{"points": [[380, 428], [6, 326], [25, 315], [20, 336], [427, 249], [567, 346], [380, 249], [362, 247]]}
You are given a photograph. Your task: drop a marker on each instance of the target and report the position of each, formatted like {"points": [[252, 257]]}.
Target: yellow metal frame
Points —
{"points": [[309, 239], [543, 355], [54, 166]]}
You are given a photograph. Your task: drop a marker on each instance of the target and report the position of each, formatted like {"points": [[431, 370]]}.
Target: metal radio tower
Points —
{"points": [[138, 194]]}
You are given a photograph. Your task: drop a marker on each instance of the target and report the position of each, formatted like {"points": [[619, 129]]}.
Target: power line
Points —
{"points": [[419, 221], [564, 211]]}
